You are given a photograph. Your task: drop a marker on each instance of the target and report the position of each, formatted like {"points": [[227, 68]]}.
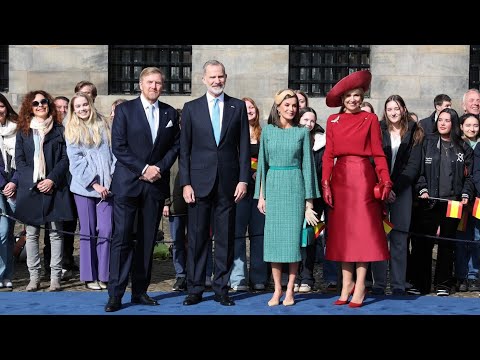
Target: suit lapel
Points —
{"points": [[162, 121], [143, 120], [204, 113], [228, 111]]}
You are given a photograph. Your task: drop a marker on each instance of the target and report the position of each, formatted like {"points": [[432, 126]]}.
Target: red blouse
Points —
{"points": [[356, 134]]}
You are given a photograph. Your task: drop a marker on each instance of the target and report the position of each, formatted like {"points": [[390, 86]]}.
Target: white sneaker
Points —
{"points": [[7, 284], [295, 288], [240, 288], [92, 285], [1, 284], [304, 288]]}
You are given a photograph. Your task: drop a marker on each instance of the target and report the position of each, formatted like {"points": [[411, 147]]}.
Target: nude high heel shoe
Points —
{"points": [[291, 302], [275, 302]]}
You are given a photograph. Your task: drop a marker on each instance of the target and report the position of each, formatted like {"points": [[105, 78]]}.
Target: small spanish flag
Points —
{"points": [[476, 208], [253, 163], [318, 229], [462, 225], [454, 209], [387, 226]]}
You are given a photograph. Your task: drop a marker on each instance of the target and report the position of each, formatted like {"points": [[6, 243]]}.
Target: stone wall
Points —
{"points": [[416, 72]]}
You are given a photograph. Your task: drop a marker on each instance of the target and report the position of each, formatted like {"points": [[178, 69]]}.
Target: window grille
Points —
{"points": [[315, 69], [125, 63], [4, 68], [474, 74]]}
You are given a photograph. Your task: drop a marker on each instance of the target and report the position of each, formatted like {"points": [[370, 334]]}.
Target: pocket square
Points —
{"points": [[170, 124]]}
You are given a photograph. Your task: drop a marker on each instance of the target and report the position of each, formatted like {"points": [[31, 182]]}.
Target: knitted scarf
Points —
{"points": [[40, 129], [7, 143]]}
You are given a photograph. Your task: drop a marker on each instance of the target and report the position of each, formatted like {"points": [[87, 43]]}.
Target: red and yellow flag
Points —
{"points": [[387, 226], [253, 163], [454, 209], [318, 229], [476, 208], [462, 225]]}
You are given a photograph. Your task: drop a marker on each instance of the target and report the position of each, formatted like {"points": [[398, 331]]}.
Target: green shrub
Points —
{"points": [[160, 252]]}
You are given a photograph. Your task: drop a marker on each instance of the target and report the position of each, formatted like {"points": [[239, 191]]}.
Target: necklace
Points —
{"points": [[450, 145], [447, 148]]}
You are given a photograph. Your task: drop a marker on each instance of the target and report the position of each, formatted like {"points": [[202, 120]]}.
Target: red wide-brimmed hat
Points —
{"points": [[358, 79]]}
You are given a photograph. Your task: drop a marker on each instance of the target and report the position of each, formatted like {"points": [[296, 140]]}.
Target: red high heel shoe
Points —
{"points": [[344, 302], [360, 304]]}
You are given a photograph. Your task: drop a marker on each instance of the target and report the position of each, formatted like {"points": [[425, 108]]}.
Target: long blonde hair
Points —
{"points": [[89, 132]]}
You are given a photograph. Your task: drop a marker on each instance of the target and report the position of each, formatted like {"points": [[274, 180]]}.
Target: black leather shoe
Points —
{"points": [[114, 304], [192, 299], [143, 299], [180, 284], [224, 300]]}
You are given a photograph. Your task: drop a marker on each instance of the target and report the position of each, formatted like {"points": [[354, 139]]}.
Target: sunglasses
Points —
{"points": [[42, 102]]}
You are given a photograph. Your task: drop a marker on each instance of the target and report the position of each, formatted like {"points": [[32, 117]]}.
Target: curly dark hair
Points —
{"points": [[25, 114]]}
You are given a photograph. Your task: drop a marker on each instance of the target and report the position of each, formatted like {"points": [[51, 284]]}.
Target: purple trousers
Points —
{"points": [[95, 218]]}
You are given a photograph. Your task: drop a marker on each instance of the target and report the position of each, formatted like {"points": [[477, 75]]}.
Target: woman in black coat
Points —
{"points": [[446, 173], [43, 194], [402, 144]]}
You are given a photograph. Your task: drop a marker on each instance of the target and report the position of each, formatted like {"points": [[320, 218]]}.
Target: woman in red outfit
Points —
{"points": [[355, 229]]}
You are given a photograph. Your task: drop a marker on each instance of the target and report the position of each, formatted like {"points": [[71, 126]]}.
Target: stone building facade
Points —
{"points": [[416, 72]]}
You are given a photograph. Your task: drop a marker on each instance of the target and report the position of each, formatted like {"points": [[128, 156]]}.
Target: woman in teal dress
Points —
{"points": [[285, 187]]}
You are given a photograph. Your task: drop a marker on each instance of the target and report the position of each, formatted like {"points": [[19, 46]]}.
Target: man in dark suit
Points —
{"points": [[214, 172], [429, 124], [145, 141]]}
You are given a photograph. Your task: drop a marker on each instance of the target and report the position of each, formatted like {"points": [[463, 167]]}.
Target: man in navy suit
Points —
{"points": [[214, 172], [145, 141]]}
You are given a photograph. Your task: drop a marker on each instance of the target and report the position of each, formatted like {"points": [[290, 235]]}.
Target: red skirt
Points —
{"points": [[355, 224]]}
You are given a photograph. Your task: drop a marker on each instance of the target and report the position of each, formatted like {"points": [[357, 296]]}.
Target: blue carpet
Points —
{"points": [[92, 303]]}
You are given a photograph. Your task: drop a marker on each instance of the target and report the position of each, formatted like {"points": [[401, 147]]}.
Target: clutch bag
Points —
{"points": [[308, 234]]}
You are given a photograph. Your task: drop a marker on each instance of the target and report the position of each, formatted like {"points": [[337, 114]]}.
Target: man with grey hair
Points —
{"points": [[214, 171], [471, 102]]}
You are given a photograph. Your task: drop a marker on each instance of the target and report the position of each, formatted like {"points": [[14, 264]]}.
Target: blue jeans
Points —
{"points": [[178, 225], [467, 256], [248, 216], [6, 238], [177, 232]]}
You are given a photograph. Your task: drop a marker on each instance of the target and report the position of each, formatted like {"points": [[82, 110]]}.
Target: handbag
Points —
{"points": [[307, 234]]}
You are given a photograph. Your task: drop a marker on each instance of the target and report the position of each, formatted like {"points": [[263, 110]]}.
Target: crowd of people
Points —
{"points": [[218, 175]]}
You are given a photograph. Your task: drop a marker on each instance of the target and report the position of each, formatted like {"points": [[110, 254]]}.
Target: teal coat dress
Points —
{"points": [[287, 171]]}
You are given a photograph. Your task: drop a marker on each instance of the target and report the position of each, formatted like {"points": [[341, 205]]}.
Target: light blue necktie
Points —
{"points": [[216, 120], [151, 121]]}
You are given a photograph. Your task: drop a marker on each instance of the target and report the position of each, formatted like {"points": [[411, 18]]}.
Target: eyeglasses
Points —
{"points": [[42, 102]]}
